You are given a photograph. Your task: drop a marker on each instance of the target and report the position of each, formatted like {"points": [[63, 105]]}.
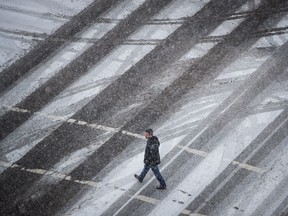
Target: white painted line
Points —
{"points": [[186, 212], [56, 175], [155, 202], [193, 151], [205, 154], [108, 129], [146, 199], [132, 134], [71, 120], [17, 109], [90, 183], [232, 173], [78, 122], [68, 178], [15, 166], [249, 167], [50, 173], [90, 125], [81, 123], [144, 186], [37, 171]]}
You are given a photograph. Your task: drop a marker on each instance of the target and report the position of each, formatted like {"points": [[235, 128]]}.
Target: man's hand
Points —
{"points": [[146, 162]]}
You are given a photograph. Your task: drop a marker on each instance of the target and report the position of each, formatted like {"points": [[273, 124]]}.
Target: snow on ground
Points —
{"points": [[73, 98], [54, 65], [114, 184], [191, 110], [79, 93], [258, 189], [178, 10], [57, 7], [123, 9], [98, 200], [226, 151], [34, 16]]}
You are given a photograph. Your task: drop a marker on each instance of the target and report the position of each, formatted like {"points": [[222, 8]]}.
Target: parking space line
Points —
{"points": [[146, 199], [242, 165], [139, 136]]}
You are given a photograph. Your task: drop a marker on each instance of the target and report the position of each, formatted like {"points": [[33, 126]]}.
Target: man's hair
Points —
{"points": [[150, 131]]}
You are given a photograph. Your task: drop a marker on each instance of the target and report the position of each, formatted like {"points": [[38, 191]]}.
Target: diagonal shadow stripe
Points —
{"points": [[211, 7], [268, 75], [77, 68], [44, 146], [187, 36], [266, 141], [282, 209], [92, 166], [280, 55], [270, 204], [43, 50]]}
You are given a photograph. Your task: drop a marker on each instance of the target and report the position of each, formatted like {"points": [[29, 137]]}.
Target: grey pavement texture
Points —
{"points": [[210, 77]]}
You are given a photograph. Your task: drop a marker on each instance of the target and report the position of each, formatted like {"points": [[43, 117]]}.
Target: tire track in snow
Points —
{"points": [[45, 49], [57, 17], [215, 10], [80, 65], [281, 52], [94, 161]]}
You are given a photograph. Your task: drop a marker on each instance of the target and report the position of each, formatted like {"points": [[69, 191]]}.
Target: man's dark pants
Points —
{"points": [[156, 172]]}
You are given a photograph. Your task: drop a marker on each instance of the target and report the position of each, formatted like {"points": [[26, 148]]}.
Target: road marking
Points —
{"points": [[90, 183], [81, 122], [149, 182], [247, 158], [17, 109], [73, 121], [205, 154], [139, 136], [62, 176], [37, 171], [110, 129], [156, 201], [102, 127], [186, 212], [49, 173], [146, 199], [193, 151], [249, 167]]}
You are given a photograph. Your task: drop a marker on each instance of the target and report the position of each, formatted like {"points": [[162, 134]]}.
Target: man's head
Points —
{"points": [[148, 133]]}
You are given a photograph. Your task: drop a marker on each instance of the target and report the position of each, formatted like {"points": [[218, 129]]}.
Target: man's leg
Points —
{"points": [[158, 176], [143, 173]]}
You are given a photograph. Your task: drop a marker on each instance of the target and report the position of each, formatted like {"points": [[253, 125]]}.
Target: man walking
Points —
{"points": [[152, 159]]}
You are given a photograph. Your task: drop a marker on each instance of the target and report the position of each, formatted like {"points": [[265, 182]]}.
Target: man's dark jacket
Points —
{"points": [[152, 156]]}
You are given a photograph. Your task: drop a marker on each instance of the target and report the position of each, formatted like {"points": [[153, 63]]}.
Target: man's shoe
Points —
{"points": [[138, 177], [161, 187]]}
